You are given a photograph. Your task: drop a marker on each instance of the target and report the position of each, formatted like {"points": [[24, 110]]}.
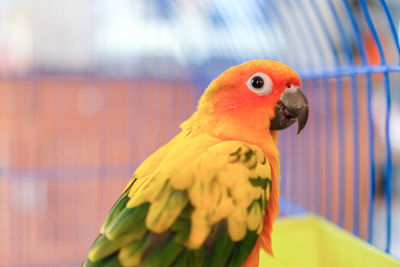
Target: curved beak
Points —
{"points": [[292, 107]]}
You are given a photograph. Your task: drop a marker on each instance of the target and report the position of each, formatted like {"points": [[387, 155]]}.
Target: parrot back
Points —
{"points": [[198, 201]]}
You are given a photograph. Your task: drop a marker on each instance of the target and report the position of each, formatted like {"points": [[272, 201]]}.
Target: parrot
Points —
{"points": [[209, 196]]}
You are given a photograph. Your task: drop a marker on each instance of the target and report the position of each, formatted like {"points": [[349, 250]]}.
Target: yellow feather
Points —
{"points": [[163, 213], [199, 230], [181, 179], [139, 185], [237, 224], [242, 195], [204, 195], [150, 191], [254, 216], [158, 190], [233, 174], [267, 190], [223, 209], [129, 256], [256, 193]]}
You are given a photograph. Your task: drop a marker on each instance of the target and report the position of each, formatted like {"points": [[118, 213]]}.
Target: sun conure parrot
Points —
{"points": [[209, 197]]}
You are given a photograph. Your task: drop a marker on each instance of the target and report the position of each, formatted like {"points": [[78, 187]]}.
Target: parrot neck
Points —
{"points": [[229, 128]]}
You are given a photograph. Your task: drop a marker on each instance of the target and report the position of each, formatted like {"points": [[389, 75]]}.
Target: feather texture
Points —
{"points": [[205, 202]]}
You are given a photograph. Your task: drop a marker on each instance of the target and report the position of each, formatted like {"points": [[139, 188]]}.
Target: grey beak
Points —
{"points": [[292, 107]]}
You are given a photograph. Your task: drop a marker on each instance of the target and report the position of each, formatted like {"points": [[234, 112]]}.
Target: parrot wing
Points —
{"points": [[202, 205]]}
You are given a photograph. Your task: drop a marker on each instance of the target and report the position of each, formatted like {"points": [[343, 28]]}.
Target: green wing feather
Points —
{"points": [[154, 230]]}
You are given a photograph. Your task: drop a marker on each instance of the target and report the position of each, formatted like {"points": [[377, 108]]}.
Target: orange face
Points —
{"points": [[254, 86]]}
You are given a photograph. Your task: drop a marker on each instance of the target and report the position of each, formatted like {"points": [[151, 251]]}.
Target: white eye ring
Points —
{"points": [[260, 84]]}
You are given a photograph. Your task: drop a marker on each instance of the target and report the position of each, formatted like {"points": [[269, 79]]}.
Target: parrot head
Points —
{"points": [[258, 96]]}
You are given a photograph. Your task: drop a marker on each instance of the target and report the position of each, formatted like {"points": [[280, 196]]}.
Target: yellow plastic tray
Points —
{"points": [[312, 241]]}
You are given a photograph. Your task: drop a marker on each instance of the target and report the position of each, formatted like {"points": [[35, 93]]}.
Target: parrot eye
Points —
{"points": [[260, 84]]}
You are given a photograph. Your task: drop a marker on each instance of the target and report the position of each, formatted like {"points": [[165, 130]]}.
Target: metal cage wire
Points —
{"points": [[315, 70]]}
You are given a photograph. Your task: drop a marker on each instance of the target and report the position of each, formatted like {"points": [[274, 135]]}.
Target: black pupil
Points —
{"points": [[257, 82]]}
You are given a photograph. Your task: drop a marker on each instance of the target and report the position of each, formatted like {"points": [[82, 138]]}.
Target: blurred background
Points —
{"points": [[88, 89]]}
